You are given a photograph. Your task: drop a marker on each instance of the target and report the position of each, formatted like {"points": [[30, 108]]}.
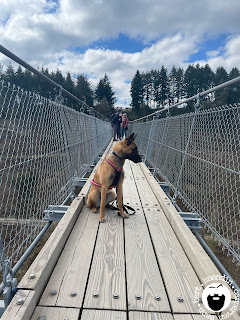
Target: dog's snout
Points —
{"points": [[138, 158]]}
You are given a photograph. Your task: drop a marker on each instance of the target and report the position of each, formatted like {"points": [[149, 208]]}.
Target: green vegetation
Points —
{"points": [[102, 98], [150, 91], [155, 89]]}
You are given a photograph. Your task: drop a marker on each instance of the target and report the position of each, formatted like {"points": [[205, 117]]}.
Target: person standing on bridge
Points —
{"points": [[120, 126], [124, 125], [115, 121]]}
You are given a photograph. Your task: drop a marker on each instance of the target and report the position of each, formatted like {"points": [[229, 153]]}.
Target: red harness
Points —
{"points": [[115, 167]]}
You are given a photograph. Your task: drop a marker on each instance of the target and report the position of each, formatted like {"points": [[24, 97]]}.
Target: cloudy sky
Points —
{"points": [[118, 37]]}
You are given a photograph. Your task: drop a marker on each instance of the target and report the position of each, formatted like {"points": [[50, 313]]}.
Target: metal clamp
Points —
{"points": [[9, 282], [197, 105], [55, 212]]}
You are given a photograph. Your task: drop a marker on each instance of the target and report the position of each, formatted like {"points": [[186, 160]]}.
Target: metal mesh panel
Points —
{"points": [[198, 155], [43, 145]]}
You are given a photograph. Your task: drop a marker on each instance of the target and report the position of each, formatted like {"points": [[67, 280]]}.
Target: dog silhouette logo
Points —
{"points": [[216, 297]]}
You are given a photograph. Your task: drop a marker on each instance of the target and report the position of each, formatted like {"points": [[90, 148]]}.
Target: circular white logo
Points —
{"points": [[216, 297]]}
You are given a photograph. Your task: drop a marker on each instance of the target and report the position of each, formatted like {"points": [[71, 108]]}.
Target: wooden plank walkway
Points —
{"points": [[145, 267]]}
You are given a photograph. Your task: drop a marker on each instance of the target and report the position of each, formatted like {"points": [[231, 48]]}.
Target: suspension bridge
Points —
{"points": [[150, 266]]}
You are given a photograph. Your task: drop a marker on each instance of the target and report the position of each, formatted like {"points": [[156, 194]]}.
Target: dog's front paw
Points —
{"points": [[94, 210], [101, 219]]}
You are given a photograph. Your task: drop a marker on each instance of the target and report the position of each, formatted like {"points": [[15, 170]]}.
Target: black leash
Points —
{"points": [[125, 208]]}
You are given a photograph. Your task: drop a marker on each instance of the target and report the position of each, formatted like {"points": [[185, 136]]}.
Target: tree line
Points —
{"points": [[101, 98], [151, 90], [156, 89]]}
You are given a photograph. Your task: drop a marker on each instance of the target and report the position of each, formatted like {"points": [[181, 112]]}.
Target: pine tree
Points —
{"points": [[137, 92], [156, 87], [30, 81], [104, 89], [221, 96], [147, 87], [20, 78], [45, 89], [190, 81], [9, 74], [69, 86], [191, 84], [164, 93], [173, 86], [180, 88], [208, 77], [59, 78], [83, 90]]}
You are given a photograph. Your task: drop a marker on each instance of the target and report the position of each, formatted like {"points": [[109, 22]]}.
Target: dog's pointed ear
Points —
{"points": [[130, 139]]}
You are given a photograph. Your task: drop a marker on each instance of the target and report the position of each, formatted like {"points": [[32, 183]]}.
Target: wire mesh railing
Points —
{"points": [[198, 155], [44, 145]]}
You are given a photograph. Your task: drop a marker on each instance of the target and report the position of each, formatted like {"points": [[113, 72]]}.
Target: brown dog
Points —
{"points": [[110, 174]]}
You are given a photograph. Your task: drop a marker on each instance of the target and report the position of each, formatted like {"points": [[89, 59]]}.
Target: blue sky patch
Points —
{"points": [[4, 21], [122, 43], [52, 6], [209, 45]]}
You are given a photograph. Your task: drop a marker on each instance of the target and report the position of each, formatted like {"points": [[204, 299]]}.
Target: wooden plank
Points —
{"points": [[200, 317], [103, 314], [202, 264], [56, 313], [178, 275], [107, 275], [127, 169], [148, 199], [204, 267], [20, 312], [149, 316], [43, 265], [183, 317], [71, 272], [192, 317], [46, 259], [130, 193], [143, 275]]}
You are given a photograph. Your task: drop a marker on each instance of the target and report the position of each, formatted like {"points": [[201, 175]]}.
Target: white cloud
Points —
{"points": [[213, 53], [228, 57], [120, 66], [41, 32]]}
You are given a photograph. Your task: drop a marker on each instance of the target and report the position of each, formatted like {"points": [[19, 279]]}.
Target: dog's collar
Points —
{"points": [[114, 153]]}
